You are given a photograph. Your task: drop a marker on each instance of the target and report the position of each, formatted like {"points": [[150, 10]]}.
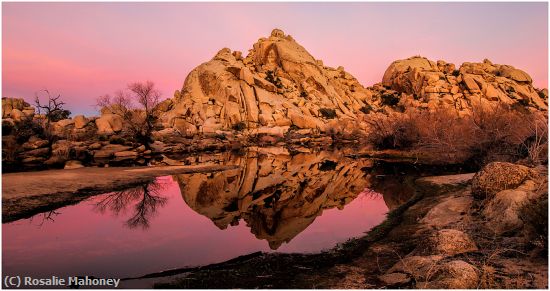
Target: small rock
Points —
{"points": [[126, 154], [140, 149], [73, 164], [395, 279], [95, 146]]}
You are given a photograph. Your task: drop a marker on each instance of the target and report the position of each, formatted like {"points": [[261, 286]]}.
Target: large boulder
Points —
{"points": [[446, 242], [503, 210], [453, 275], [498, 176], [109, 124], [80, 121]]}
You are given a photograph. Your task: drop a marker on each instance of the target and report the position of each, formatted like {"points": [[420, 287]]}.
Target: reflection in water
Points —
{"points": [[277, 194], [145, 199]]}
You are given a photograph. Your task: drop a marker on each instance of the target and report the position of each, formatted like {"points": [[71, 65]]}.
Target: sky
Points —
{"points": [[85, 50]]}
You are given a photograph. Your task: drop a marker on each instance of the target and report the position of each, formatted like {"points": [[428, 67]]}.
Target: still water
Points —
{"points": [[274, 202]]}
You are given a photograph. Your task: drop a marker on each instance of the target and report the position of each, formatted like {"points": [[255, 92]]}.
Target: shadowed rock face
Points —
{"points": [[276, 194], [277, 85]]}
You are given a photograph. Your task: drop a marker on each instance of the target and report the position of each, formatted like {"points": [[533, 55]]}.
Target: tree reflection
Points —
{"points": [[146, 199]]}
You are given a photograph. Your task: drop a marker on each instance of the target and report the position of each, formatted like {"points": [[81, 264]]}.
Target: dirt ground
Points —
{"points": [[27, 193]]}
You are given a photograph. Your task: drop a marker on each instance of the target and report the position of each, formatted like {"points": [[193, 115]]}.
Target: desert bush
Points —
{"points": [[7, 128], [486, 135], [328, 113], [366, 109], [535, 218], [25, 128], [272, 78], [239, 126], [389, 99], [391, 132]]}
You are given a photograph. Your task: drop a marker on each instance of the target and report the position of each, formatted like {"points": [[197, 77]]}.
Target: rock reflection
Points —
{"points": [[277, 194], [146, 199]]}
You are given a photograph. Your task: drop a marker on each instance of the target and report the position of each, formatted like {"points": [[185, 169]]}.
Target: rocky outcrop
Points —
{"points": [[278, 84], [16, 108], [419, 82]]}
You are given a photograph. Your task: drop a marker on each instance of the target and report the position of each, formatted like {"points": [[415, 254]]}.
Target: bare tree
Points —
{"points": [[137, 106], [145, 199], [54, 110]]}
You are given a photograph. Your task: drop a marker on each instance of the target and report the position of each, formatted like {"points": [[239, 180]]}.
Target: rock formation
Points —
{"points": [[419, 82], [277, 85]]}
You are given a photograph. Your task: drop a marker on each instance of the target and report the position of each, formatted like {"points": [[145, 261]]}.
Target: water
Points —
{"points": [[274, 201]]}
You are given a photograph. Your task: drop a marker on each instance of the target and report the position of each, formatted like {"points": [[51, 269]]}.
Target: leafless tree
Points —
{"points": [[137, 106], [54, 110], [146, 199]]}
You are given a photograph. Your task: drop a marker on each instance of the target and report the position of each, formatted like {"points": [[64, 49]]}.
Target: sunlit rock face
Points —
{"points": [[277, 85], [278, 195], [422, 83]]}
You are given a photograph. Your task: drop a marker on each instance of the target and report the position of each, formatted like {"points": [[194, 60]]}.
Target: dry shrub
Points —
{"points": [[394, 131], [535, 217], [488, 134]]}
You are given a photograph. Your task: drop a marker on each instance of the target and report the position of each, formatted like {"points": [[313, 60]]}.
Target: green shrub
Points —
{"points": [[456, 73]]}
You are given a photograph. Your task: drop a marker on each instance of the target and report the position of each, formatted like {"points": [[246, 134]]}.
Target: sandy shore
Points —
{"points": [[27, 193]]}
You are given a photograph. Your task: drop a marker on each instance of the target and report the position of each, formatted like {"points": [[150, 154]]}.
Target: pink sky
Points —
{"points": [[84, 50]]}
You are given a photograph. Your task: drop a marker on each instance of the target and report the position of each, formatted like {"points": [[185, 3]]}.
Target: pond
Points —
{"points": [[274, 202]]}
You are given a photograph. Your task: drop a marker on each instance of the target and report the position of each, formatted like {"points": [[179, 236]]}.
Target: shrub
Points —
{"points": [[496, 134], [26, 128], [239, 126], [115, 139], [535, 217], [456, 73], [7, 128], [389, 99], [524, 101], [328, 113], [303, 94], [390, 132], [275, 80], [366, 109]]}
